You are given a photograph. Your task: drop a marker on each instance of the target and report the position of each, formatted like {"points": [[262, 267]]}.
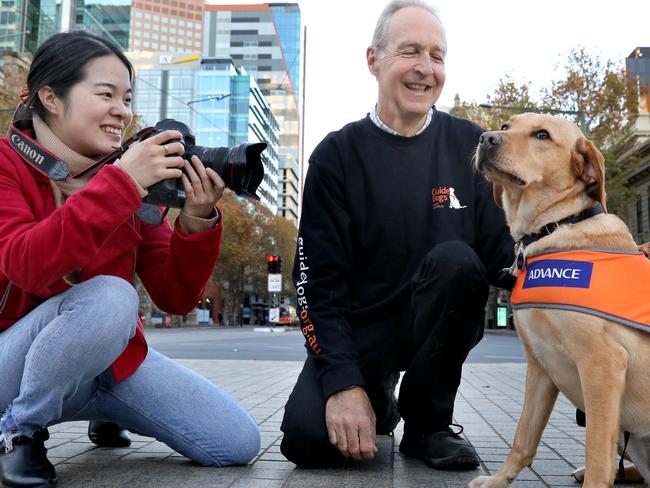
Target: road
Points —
{"points": [[245, 343]]}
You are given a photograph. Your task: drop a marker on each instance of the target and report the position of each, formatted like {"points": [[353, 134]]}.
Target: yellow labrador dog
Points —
{"points": [[549, 180]]}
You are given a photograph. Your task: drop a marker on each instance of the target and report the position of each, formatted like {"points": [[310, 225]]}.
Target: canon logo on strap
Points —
{"points": [[27, 151]]}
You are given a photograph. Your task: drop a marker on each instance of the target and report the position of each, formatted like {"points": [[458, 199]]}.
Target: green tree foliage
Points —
{"points": [[597, 88]]}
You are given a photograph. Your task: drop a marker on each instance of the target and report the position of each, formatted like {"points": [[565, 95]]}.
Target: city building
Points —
{"points": [[265, 39], [166, 25], [637, 66], [25, 24], [221, 102]]}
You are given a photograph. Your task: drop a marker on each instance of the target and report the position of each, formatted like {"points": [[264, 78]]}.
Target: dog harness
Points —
{"points": [[611, 284]]}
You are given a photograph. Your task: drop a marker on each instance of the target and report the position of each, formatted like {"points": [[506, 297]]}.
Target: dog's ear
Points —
{"points": [[497, 192], [589, 166]]}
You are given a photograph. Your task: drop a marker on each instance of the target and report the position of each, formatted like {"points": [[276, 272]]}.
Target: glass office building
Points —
{"points": [[220, 102], [265, 39]]}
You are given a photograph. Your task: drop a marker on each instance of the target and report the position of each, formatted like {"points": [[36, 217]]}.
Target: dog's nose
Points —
{"points": [[490, 139]]}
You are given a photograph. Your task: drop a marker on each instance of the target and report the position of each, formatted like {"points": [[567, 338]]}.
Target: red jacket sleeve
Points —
{"points": [[33, 233]]}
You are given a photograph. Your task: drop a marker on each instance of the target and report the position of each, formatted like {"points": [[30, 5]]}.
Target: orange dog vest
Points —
{"points": [[611, 284]]}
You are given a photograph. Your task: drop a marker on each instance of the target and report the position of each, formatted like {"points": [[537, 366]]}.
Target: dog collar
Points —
{"points": [[528, 239]]}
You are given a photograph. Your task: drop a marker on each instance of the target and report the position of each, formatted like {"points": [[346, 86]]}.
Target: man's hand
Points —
{"points": [[351, 423]]}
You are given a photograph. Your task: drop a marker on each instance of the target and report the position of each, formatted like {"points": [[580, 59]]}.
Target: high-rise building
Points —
{"points": [[266, 40], [219, 101], [106, 18], [166, 25], [637, 66], [25, 24]]}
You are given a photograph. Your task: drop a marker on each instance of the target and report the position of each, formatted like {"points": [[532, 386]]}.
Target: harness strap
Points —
{"points": [[621, 467]]}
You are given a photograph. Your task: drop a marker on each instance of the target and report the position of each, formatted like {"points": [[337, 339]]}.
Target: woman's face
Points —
{"points": [[97, 110]]}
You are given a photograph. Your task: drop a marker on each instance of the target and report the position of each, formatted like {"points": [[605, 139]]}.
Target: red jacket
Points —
{"points": [[95, 232]]}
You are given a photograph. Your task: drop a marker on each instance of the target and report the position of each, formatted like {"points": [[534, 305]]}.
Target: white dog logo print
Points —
{"points": [[453, 199]]}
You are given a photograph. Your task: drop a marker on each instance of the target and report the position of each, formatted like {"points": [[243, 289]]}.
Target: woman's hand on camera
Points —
{"points": [[203, 189], [155, 159]]}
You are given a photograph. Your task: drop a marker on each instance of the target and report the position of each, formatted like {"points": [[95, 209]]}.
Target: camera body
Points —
{"points": [[240, 167]]}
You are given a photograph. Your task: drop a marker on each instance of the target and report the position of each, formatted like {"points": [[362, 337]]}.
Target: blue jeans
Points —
{"points": [[55, 367]]}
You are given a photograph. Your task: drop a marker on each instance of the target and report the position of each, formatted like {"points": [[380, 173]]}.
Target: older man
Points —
{"points": [[399, 238]]}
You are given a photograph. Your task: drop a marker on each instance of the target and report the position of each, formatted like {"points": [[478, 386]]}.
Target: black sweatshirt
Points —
{"points": [[374, 204]]}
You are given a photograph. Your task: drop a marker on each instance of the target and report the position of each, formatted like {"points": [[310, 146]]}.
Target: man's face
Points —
{"points": [[410, 69]]}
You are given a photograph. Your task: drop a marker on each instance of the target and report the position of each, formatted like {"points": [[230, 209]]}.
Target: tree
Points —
{"points": [[596, 88], [250, 233], [13, 75]]}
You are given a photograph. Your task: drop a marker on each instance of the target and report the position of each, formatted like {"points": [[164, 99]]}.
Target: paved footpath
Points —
{"points": [[488, 405]]}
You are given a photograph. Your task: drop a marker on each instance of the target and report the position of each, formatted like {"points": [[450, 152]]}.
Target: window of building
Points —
{"points": [[197, 35], [146, 34], [181, 23], [264, 56], [155, 36], [236, 44], [147, 25], [154, 45], [173, 21], [138, 23], [156, 18], [163, 47], [147, 16], [136, 42], [156, 27], [266, 43], [138, 14], [165, 20], [164, 28], [145, 44], [639, 215], [250, 43], [172, 30]]}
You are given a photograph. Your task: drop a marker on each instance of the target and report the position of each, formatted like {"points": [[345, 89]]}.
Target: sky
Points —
{"points": [[486, 40]]}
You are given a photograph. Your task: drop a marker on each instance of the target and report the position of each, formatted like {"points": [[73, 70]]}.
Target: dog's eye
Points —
{"points": [[504, 127], [542, 134]]}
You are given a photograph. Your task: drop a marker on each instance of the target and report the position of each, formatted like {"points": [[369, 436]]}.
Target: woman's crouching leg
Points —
{"points": [[168, 401]]}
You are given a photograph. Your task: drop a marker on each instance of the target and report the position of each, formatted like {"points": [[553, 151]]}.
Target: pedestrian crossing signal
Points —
{"points": [[274, 264]]}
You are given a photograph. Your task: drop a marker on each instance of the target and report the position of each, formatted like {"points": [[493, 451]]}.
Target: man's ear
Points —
{"points": [[589, 166], [497, 192], [372, 57], [49, 100]]}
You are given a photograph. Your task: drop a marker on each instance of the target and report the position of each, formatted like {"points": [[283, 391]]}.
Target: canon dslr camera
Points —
{"points": [[240, 167]]}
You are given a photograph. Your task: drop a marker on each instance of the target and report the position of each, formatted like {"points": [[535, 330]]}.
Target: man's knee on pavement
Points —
{"points": [[306, 442]]}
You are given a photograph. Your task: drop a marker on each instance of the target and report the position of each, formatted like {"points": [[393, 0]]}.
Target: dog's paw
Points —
{"points": [[487, 482], [579, 474]]}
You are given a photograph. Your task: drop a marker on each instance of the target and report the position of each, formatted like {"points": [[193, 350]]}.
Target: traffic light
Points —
{"points": [[274, 264]]}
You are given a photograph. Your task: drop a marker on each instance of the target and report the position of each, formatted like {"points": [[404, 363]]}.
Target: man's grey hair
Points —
{"points": [[380, 37]]}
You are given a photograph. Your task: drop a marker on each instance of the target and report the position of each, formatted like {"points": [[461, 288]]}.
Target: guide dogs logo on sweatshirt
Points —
{"points": [[445, 196]]}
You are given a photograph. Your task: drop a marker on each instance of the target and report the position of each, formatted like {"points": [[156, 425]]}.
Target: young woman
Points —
{"points": [[71, 343]]}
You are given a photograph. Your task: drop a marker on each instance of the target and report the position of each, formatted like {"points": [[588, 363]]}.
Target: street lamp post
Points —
{"points": [[580, 115]]}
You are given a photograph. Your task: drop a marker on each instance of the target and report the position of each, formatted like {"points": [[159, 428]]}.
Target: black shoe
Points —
{"points": [[385, 405], [445, 449], [24, 463], [108, 434]]}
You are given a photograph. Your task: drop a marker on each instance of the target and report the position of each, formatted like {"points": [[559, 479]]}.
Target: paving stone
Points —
{"points": [[488, 405]]}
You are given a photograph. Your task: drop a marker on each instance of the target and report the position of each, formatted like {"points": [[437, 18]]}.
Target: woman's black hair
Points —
{"points": [[60, 63]]}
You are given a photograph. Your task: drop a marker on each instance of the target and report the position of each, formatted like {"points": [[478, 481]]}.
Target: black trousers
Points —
{"points": [[428, 337]]}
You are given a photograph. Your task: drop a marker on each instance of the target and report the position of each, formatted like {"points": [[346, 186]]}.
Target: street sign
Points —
{"points": [[275, 282], [274, 315]]}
